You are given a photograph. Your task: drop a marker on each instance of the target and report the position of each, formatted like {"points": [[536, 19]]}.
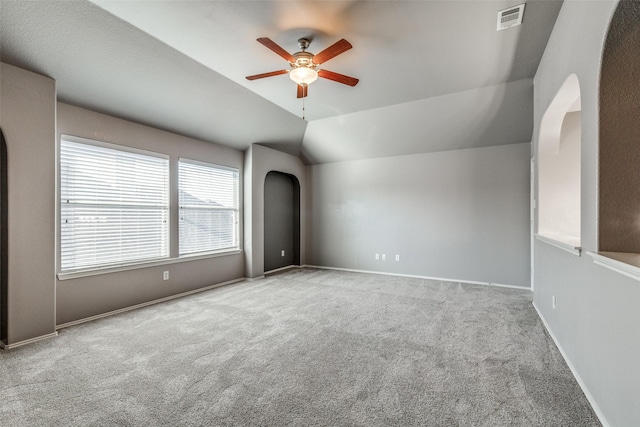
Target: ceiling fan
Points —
{"points": [[304, 65]]}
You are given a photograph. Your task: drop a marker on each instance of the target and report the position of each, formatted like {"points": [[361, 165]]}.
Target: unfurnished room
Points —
{"points": [[319, 213]]}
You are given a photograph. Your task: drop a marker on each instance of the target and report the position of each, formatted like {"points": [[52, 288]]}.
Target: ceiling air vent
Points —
{"points": [[511, 17]]}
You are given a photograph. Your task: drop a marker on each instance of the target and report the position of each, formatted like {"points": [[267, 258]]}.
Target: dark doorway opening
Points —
{"points": [[281, 221]]}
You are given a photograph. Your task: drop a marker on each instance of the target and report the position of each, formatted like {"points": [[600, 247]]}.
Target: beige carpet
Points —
{"points": [[305, 347]]}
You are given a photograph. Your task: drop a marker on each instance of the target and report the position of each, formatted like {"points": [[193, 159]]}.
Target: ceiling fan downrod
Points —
{"points": [[303, 44]]}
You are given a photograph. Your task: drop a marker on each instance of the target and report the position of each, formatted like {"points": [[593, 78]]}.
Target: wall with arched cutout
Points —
{"points": [[559, 148], [258, 162], [619, 148], [586, 307]]}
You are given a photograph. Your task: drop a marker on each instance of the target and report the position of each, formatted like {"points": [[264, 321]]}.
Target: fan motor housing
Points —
{"points": [[303, 59]]}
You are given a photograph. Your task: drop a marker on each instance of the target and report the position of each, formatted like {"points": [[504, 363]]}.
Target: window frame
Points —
{"points": [[114, 266], [237, 210]]}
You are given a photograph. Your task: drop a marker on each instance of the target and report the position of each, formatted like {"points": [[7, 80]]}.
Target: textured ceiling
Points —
{"points": [[180, 66], [104, 64], [403, 50]]}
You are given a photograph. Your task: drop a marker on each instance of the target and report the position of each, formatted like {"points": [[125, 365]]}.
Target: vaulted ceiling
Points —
{"points": [[434, 75]]}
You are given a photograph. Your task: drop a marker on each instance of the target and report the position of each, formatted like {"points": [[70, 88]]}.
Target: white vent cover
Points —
{"points": [[510, 17]]}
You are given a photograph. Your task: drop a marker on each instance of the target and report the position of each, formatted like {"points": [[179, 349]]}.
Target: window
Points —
{"points": [[114, 205], [208, 198]]}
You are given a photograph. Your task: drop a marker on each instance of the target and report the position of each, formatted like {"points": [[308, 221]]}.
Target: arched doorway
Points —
{"points": [[281, 221], [559, 165]]}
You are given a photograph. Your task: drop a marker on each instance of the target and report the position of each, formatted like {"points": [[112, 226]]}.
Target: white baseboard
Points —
{"points": [[277, 270], [146, 304], [441, 279], [581, 383], [29, 341]]}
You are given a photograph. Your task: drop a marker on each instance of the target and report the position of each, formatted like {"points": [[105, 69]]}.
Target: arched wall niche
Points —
{"points": [[559, 158], [619, 147], [259, 161], [281, 221]]}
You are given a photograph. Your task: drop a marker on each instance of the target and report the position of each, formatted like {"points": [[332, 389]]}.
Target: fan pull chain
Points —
{"points": [[303, 108]]}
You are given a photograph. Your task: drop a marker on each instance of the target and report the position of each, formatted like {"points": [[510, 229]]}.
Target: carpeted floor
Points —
{"points": [[304, 347]]}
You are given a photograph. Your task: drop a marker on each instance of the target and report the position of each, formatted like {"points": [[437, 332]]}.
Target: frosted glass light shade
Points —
{"points": [[303, 75]]}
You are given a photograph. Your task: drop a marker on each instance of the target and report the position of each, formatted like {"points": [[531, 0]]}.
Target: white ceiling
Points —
{"points": [[181, 66]]}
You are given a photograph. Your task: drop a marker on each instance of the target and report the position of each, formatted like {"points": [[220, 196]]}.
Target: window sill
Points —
{"points": [[627, 264], [566, 243], [167, 261]]}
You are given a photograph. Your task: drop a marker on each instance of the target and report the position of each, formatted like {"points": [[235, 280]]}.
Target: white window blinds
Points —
{"points": [[114, 206], [208, 198]]}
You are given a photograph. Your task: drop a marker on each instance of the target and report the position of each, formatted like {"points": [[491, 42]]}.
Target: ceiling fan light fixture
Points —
{"points": [[303, 75], [303, 65]]}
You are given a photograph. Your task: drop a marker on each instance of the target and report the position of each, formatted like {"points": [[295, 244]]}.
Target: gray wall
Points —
{"points": [[259, 161], [596, 319], [27, 118], [281, 219], [89, 296], [460, 215]]}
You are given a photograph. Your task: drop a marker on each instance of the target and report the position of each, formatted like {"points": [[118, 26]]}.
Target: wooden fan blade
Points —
{"points": [[270, 74], [332, 51], [340, 78], [276, 48], [303, 91]]}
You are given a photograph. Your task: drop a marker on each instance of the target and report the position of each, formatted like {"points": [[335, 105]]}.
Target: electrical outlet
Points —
{"points": [[553, 302], [377, 256], [384, 257], [165, 275], [282, 253], [397, 257]]}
